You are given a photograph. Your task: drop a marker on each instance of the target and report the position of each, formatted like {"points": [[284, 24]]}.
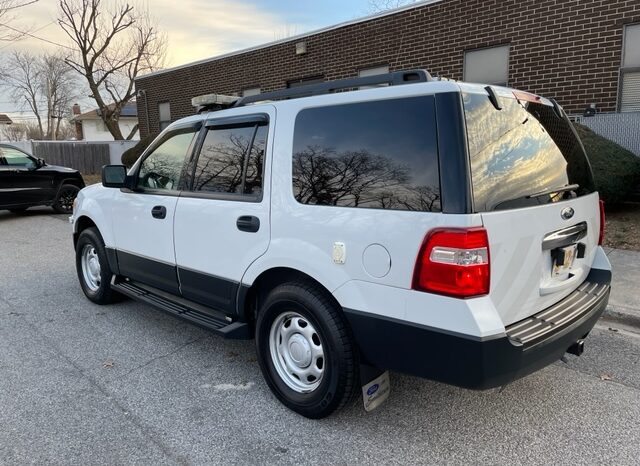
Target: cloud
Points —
{"points": [[196, 29], [200, 29]]}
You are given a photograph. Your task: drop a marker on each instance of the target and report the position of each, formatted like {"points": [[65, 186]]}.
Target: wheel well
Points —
{"points": [[72, 181], [267, 281], [83, 223]]}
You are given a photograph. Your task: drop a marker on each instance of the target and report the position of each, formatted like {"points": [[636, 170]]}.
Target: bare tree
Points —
{"points": [[114, 45], [383, 5], [358, 178], [14, 132], [8, 10], [58, 86], [21, 78], [44, 85], [66, 130]]}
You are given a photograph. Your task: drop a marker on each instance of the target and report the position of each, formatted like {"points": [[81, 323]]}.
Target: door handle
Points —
{"points": [[248, 223], [159, 211]]}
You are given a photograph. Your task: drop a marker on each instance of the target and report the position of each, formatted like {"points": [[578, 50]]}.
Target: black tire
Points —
{"points": [[91, 238], [19, 210], [66, 195], [338, 383]]}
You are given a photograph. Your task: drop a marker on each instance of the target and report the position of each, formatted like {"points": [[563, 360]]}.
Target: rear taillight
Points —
{"points": [[454, 262], [601, 236]]}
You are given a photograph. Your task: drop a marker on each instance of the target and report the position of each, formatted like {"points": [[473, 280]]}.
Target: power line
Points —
{"points": [[21, 5], [24, 33], [39, 29]]}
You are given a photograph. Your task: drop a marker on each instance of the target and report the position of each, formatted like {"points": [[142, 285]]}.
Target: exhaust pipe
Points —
{"points": [[577, 348]]}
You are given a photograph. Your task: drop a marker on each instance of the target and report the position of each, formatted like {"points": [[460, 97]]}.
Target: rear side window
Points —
{"points": [[380, 155], [521, 153], [231, 160]]}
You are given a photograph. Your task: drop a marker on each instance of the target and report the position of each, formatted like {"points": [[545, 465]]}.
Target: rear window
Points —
{"points": [[380, 155], [521, 153]]}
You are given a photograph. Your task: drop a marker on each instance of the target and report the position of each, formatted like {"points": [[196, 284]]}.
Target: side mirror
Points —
{"points": [[40, 163], [114, 176]]}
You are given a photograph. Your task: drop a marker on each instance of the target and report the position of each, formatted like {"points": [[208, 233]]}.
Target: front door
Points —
{"points": [[222, 223], [7, 193], [22, 182], [143, 217]]}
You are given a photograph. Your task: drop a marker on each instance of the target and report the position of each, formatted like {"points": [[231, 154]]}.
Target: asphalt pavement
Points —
{"points": [[126, 384]]}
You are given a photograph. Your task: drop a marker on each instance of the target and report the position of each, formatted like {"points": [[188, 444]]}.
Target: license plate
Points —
{"points": [[563, 259]]}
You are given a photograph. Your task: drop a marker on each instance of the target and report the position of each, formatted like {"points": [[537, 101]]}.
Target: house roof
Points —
{"points": [[374, 16], [130, 110], [5, 120]]}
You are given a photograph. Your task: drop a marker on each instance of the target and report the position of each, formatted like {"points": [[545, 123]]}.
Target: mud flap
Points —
{"points": [[375, 386]]}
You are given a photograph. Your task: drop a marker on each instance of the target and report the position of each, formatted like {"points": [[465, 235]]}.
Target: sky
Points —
{"points": [[198, 29]]}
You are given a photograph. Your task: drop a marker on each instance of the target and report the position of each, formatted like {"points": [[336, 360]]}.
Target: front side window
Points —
{"points": [[231, 160], [380, 155], [15, 158], [163, 167]]}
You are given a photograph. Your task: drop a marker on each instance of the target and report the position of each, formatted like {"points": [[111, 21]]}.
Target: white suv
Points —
{"points": [[436, 228]]}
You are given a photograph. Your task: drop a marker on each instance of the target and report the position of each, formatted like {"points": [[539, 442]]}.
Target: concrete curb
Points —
{"points": [[623, 315]]}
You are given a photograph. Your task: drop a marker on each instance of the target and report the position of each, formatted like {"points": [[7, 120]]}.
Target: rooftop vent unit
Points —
{"points": [[209, 102]]}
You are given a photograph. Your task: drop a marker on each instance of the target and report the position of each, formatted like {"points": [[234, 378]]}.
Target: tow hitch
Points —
{"points": [[577, 348]]}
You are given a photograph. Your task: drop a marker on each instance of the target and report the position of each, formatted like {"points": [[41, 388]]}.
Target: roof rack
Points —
{"points": [[392, 79]]}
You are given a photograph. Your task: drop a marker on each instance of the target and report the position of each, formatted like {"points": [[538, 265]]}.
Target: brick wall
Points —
{"points": [[567, 49]]}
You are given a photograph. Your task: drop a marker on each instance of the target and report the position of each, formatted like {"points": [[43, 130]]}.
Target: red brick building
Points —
{"points": [[582, 52]]}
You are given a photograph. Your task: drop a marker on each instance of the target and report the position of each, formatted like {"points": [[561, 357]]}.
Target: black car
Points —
{"points": [[26, 181]]}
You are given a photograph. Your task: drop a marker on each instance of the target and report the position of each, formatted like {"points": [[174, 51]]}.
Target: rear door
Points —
{"points": [[533, 185], [24, 183], [222, 224]]}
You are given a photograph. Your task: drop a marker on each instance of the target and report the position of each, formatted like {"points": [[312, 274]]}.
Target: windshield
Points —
{"points": [[522, 155]]}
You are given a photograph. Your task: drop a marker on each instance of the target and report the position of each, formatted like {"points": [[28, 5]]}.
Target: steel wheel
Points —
{"points": [[90, 267], [296, 352]]}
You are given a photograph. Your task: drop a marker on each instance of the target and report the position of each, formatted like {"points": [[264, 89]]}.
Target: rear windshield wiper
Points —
{"points": [[561, 189]]}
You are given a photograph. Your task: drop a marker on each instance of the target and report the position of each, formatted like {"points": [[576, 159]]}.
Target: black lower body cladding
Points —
{"points": [[463, 360]]}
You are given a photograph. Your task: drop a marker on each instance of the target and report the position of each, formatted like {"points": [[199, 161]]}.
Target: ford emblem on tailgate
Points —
{"points": [[567, 213]]}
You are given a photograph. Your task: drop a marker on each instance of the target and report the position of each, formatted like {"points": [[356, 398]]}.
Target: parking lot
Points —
{"points": [[85, 384]]}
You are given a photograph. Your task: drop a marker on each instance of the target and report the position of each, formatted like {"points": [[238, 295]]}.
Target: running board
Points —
{"points": [[205, 317]]}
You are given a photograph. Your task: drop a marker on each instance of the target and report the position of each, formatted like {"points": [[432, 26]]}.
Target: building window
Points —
{"points": [[305, 81], [251, 91], [373, 72], [487, 66], [164, 111], [630, 71]]}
